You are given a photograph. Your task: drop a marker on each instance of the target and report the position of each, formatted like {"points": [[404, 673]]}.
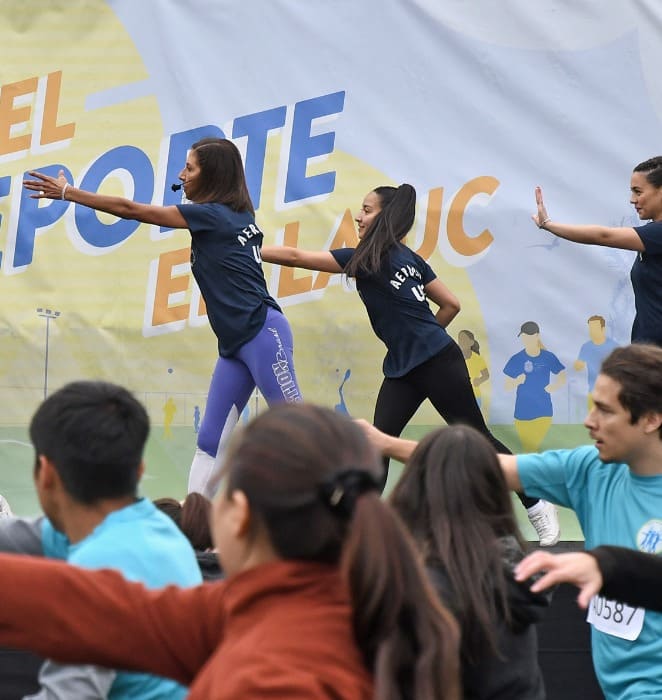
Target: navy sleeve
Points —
{"points": [[651, 236], [199, 217], [342, 255], [428, 273]]}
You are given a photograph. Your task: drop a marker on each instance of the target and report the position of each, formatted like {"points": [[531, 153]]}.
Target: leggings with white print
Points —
{"points": [[266, 362]]}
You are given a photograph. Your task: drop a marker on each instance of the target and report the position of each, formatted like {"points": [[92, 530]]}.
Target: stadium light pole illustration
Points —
{"points": [[48, 314]]}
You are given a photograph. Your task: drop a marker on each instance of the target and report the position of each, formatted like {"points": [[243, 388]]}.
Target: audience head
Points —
{"points": [[192, 517], [453, 479], [92, 434], [305, 480]]}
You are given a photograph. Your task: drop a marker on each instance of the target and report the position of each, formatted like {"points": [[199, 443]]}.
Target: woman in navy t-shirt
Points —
{"points": [[646, 273], [422, 361], [254, 338]]}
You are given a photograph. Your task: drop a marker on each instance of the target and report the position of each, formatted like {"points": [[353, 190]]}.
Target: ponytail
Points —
{"points": [[312, 480], [389, 227], [409, 640]]}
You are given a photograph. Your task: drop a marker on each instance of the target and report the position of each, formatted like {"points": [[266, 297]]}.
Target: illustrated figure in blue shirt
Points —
{"points": [[529, 372], [593, 352]]}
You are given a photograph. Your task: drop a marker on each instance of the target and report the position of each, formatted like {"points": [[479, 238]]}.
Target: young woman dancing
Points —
{"points": [[254, 338], [422, 360], [646, 274], [325, 596]]}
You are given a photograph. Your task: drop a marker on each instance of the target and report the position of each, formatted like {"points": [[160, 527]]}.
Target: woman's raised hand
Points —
{"points": [[45, 186], [540, 218]]}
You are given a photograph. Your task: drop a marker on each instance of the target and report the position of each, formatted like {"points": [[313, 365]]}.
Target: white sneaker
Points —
{"points": [[5, 510], [545, 519]]}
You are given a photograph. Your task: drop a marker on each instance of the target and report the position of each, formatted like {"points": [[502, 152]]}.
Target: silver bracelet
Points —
{"points": [[64, 189], [542, 223]]}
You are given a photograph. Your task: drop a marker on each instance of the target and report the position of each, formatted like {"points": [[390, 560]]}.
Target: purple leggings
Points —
{"points": [[266, 362]]}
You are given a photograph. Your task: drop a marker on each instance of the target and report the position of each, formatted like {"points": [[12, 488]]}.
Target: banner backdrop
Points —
{"points": [[473, 103]]}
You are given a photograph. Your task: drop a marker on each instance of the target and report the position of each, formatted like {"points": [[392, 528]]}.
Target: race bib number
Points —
{"points": [[614, 618]]}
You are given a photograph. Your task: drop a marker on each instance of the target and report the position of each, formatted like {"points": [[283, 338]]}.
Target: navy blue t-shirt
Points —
{"points": [[398, 308], [646, 277], [226, 264]]}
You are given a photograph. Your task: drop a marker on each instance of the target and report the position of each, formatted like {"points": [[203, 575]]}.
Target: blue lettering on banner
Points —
{"points": [[256, 127], [32, 217], [304, 146], [137, 164]]}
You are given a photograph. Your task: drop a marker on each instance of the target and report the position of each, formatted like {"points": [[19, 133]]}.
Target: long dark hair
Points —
{"points": [[222, 178], [311, 477], [389, 227], [453, 497]]}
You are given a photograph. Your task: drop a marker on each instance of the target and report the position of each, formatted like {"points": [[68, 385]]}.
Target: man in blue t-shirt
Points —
{"points": [[89, 439], [615, 489]]}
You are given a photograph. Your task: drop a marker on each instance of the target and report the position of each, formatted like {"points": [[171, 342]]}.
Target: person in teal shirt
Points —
{"points": [[615, 489], [89, 439]]}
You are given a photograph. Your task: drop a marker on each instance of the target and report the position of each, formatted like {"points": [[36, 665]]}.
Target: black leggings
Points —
{"points": [[444, 379]]}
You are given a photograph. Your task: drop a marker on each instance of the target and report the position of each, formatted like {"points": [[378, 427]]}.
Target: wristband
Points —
{"points": [[64, 189]]}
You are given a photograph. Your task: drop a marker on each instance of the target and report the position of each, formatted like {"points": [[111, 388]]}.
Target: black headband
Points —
{"points": [[342, 489]]}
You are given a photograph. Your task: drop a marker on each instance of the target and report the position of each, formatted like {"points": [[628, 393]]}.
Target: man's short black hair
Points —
{"points": [[94, 433]]}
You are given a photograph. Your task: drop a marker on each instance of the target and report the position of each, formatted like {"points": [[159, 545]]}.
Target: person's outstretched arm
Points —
{"points": [[626, 575], [611, 236], [47, 187], [320, 260], [402, 449], [387, 445], [74, 615]]}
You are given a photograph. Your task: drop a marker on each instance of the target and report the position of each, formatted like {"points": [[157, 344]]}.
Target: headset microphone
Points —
{"points": [[176, 188]]}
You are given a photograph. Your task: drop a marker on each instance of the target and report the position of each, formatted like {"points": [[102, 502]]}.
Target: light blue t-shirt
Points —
{"points": [[616, 507], [145, 545]]}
